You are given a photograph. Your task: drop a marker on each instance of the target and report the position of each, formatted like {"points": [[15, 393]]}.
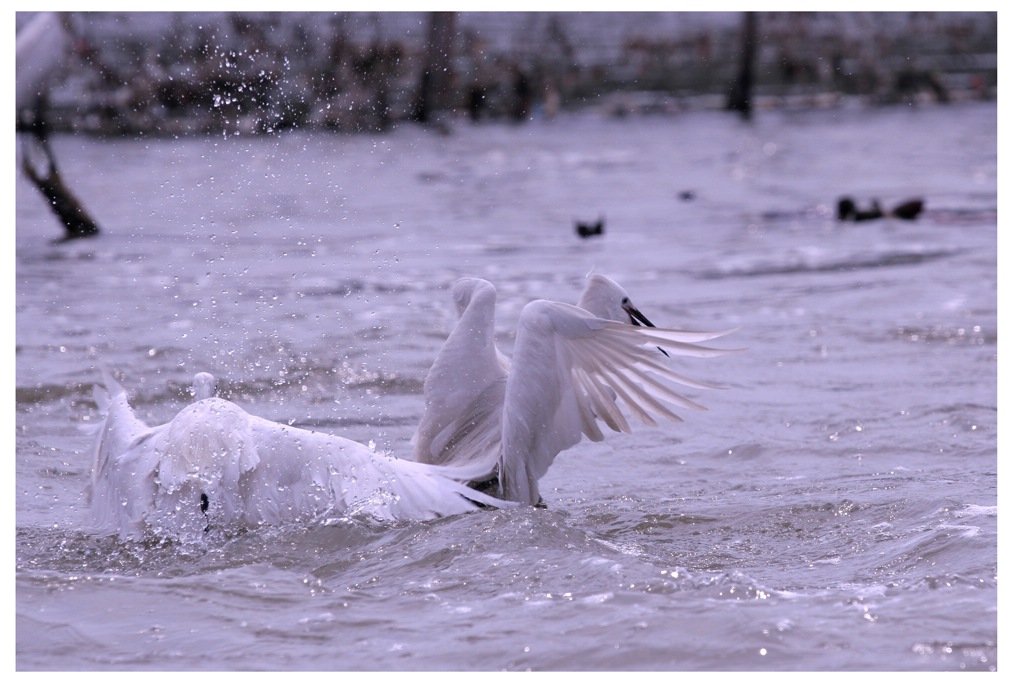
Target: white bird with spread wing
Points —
{"points": [[572, 367], [215, 465]]}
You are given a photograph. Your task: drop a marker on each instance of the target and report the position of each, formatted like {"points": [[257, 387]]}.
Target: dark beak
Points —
{"points": [[638, 319]]}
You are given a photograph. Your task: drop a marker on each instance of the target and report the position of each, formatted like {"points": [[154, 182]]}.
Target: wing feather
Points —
{"points": [[586, 411], [460, 389], [572, 370], [598, 405], [634, 366], [646, 358]]}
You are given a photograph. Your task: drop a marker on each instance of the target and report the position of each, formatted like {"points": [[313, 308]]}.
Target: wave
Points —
{"points": [[817, 260]]}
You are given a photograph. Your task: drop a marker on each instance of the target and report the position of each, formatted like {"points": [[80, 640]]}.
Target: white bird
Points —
{"points": [[215, 465], [465, 388], [571, 365]]}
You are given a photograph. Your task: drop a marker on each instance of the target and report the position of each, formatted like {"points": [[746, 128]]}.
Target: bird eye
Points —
{"points": [[625, 301]]}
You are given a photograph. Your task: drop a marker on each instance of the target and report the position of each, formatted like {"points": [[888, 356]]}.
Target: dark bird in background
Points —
{"points": [[589, 229], [908, 210], [847, 211]]}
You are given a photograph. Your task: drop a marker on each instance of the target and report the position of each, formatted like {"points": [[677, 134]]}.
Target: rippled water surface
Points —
{"points": [[835, 508]]}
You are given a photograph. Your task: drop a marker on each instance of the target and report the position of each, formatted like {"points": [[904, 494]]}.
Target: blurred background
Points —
{"points": [[175, 73]]}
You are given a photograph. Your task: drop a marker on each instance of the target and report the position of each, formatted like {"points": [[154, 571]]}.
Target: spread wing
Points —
{"points": [[464, 389], [215, 465], [119, 429], [572, 371]]}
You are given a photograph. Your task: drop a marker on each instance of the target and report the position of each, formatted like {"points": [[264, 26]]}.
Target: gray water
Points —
{"points": [[834, 509]]}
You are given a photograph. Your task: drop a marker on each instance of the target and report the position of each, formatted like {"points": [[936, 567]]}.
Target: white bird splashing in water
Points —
{"points": [[215, 465]]}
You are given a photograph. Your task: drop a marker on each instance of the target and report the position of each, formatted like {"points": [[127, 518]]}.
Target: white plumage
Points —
{"points": [[215, 465], [572, 370], [465, 387], [572, 367], [488, 421]]}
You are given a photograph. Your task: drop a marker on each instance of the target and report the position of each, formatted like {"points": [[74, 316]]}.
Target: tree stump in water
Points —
{"points": [[742, 87], [76, 220]]}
